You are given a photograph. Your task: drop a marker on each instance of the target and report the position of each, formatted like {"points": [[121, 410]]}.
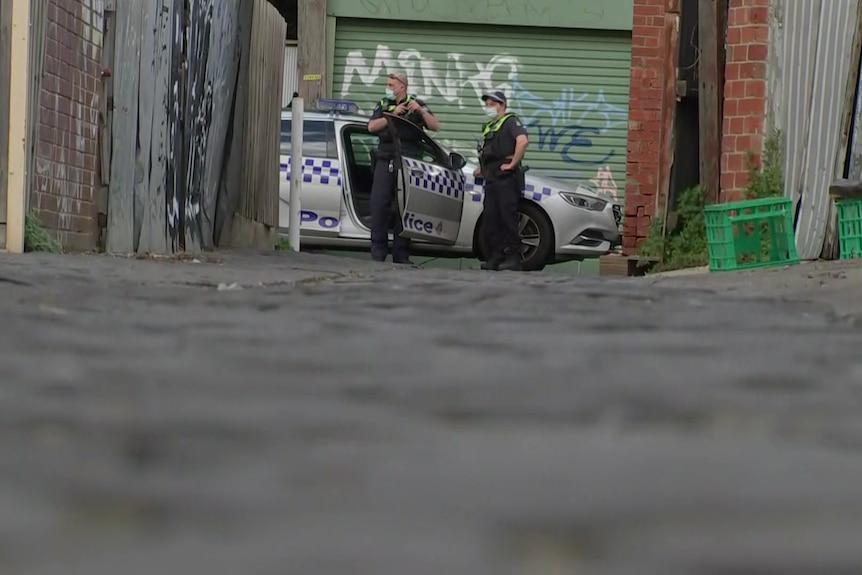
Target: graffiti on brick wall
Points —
{"points": [[572, 126]]}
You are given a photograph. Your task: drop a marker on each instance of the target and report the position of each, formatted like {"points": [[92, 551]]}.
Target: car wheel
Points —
{"points": [[537, 237]]}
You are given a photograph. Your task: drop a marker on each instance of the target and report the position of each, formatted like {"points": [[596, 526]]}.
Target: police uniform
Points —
{"points": [[502, 188], [385, 166]]}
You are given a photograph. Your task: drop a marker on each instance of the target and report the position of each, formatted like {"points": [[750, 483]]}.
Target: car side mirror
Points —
{"points": [[457, 160]]}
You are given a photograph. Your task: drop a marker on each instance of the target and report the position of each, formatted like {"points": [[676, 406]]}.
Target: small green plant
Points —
{"points": [[36, 238], [685, 246], [283, 245], [766, 178]]}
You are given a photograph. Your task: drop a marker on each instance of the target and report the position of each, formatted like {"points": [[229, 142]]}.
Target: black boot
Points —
{"points": [[492, 263], [511, 263]]}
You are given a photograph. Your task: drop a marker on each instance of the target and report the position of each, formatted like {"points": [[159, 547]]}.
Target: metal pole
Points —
{"points": [[295, 219]]}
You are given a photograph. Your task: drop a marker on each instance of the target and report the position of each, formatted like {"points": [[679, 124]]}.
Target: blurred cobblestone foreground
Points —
{"points": [[308, 415]]}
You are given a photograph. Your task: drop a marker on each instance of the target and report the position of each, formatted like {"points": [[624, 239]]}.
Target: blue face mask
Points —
{"points": [[390, 94], [491, 112]]}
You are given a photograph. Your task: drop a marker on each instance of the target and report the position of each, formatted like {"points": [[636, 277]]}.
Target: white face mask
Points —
{"points": [[390, 94], [491, 112]]}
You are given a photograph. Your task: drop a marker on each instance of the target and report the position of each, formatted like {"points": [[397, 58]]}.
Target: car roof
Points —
{"points": [[286, 114]]}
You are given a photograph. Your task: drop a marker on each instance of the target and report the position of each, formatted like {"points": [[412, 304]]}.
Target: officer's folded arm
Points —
{"points": [[431, 121], [376, 125]]}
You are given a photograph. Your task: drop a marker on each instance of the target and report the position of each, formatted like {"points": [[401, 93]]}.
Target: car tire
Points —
{"points": [[539, 224]]}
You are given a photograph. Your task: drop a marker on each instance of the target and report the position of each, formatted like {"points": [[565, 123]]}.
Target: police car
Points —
{"points": [[439, 200]]}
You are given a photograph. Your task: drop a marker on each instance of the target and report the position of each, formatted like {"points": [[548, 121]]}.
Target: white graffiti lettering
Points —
{"points": [[455, 81], [571, 125]]}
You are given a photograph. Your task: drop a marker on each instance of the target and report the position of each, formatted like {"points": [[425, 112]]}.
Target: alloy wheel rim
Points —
{"points": [[531, 237]]}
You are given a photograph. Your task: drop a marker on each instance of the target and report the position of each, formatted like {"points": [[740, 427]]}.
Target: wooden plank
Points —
{"points": [[668, 114], [197, 108], [106, 114], [143, 210], [221, 65], [19, 125], [106, 102], [267, 54], [278, 31], [121, 194], [709, 98], [5, 69], [152, 156], [159, 141], [233, 187], [174, 192]]}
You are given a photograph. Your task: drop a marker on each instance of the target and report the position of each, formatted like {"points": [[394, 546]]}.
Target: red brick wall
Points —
{"points": [[65, 182], [744, 92], [649, 55]]}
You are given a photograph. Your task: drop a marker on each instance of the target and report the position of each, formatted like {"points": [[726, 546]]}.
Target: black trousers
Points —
{"points": [[384, 214], [501, 217]]}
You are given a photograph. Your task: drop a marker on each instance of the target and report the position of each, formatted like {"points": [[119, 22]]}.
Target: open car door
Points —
{"points": [[430, 186]]}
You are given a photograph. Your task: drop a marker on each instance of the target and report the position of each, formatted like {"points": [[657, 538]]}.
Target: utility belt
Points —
{"points": [[491, 171], [385, 156]]}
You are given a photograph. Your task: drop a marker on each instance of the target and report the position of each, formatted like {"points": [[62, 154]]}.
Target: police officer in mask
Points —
{"points": [[385, 165], [504, 142]]}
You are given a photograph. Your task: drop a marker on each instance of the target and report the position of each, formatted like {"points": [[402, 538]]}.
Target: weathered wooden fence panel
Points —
{"points": [[175, 168], [155, 67], [232, 185], [221, 74], [175, 121], [258, 210], [121, 195]]}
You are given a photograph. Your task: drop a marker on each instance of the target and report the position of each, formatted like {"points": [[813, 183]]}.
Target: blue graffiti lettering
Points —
{"points": [[569, 142], [326, 222], [568, 125]]}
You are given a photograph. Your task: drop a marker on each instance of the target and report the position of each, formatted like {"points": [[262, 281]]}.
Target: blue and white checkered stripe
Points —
{"points": [[317, 171], [434, 180], [530, 191], [536, 194]]}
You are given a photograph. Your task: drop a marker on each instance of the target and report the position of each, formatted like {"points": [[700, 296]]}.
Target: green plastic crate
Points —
{"points": [[750, 234], [849, 228]]}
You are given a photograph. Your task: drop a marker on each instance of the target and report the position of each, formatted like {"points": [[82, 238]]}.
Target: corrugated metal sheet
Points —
{"points": [[291, 73], [570, 87], [812, 61]]}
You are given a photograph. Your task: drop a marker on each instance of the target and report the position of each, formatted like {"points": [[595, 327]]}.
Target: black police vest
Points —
{"points": [[390, 105], [491, 151], [387, 145]]}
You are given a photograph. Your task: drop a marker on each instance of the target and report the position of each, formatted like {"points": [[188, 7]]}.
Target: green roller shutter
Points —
{"points": [[570, 87]]}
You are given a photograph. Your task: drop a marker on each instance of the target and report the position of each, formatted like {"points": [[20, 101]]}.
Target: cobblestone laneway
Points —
{"points": [[306, 415]]}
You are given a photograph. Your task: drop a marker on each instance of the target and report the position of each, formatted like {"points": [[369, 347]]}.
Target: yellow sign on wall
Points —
{"points": [[309, 77]]}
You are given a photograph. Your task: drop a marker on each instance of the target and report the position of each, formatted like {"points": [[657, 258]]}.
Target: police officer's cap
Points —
{"points": [[497, 96]]}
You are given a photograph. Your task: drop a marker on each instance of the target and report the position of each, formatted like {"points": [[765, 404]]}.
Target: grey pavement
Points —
{"points": [[301, 414]]}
